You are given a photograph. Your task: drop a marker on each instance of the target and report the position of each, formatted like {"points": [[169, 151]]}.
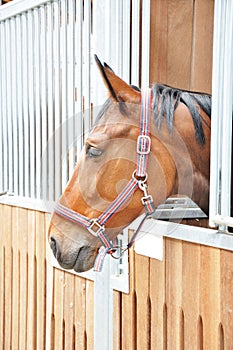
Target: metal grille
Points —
{"points": [[49, 85]]}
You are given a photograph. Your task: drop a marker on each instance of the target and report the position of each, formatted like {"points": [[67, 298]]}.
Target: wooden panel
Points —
{"points": [[158, 41], [23, 275], [117, 314], [31, 302], [158, 305], [80, 314], [180, 18], [15, 279], [8, 310], [90, 314], [190, 293], [226, 301], [58, 287], [174, 293], [142, 268], [181, 43], [41, 279], [201, 72], [209, 294]]}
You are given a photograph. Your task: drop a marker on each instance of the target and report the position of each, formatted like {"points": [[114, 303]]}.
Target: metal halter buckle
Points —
{"points": [[141, 144], [95, 222]]}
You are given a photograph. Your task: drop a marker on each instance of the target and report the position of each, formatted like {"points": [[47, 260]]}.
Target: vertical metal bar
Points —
{"points": [[37, 83], [217, 103], [14, 138], [70, 88], [19, 115], [226, 145], [31, 102], [145, 71], [4, 114], [101, 46], [25, 97], [57, 100], [43, 102], [135, 33], [119, 37], [9, 45], [126, 41], [86, 67], [1, 112], [51, 135], [63, 57], [78, 74]]}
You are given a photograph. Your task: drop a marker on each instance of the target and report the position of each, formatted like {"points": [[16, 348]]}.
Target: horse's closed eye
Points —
{"points": [[93, 152]]}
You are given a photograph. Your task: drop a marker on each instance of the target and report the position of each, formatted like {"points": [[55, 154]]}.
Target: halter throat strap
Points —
{"points": [[96, 226]]}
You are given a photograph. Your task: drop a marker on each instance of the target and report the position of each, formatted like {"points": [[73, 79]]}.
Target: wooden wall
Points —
{"points": [[181, 43], [181, 303]]}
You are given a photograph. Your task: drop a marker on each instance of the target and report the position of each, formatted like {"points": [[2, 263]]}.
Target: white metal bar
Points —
{"points": [[37, 83], [126, 41], [135, 34], [25, 101], [43, 102], [78, 126], [86, 67], [9, 105], [4, 107], [145, 71], [14, 102], [78, 74], [2, 111], [57, 99], [19, 116], [51, 136], [101, 45], [217, 74], [70, 89], [31, 101], [221, 125], [119, 36], [63, 65], [226, 145]]}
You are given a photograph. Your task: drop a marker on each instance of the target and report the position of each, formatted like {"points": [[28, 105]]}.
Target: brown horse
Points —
{"points": [[178, 163]]}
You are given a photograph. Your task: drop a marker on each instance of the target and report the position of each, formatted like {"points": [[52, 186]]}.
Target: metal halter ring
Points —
{"points": [[144, 178]]}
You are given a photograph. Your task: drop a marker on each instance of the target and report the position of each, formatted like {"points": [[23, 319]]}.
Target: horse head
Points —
{"points": [[177, 163]]}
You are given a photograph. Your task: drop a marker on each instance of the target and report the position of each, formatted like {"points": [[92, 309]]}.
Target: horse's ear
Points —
{"points": [[119, 90]]}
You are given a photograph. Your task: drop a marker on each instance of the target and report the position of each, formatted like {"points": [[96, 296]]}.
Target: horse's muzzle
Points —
{"points": [[80, 260]]}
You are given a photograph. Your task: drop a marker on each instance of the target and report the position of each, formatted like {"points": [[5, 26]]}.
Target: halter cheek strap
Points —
{"points": [[96, 226]]}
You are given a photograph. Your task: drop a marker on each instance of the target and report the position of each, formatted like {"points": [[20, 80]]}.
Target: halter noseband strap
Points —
{"points": [[96, 226]]}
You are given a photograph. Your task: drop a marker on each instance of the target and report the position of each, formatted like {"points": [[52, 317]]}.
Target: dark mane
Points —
{"points": [[165, 102]]}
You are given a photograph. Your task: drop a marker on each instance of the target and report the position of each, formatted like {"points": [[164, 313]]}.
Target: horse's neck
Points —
{"points": [[191, 162]]}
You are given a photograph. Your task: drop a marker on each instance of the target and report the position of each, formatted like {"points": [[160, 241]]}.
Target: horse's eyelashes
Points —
{"points": [[93, 152]]}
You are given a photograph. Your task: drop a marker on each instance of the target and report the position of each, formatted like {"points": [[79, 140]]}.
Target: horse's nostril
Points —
{"points": [[55, 248]]}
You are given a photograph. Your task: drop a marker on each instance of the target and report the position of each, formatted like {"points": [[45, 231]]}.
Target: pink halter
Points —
{"points": [[96, 226]]}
